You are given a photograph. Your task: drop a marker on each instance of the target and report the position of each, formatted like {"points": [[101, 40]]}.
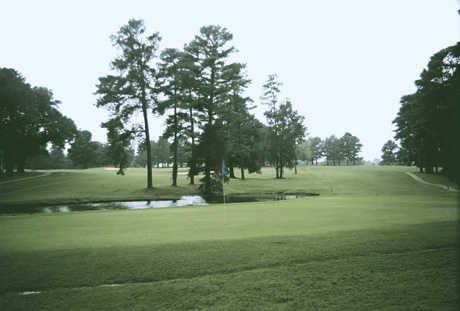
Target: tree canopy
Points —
{"points": [[428, 121], [29, 121]]}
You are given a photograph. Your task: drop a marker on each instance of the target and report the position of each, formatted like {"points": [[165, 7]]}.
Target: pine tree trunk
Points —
{"points": [[120, 171], [175, 146], [232, 172], [21, 163], [9, 165], [207, 162], [242, 173], [147, 145], [192, 155]]}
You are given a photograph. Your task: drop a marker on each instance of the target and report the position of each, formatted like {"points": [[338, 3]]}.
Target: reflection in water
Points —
{"points": [[187, 200], [131, 205]]}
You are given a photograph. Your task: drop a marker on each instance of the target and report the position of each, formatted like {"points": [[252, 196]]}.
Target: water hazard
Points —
{"points": [[184, 201]]}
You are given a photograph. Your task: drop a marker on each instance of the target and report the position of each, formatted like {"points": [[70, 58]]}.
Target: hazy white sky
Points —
{"points": [[344, 64]]}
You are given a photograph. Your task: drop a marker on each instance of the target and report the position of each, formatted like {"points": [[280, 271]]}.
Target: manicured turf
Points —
{"points": [[373, 239]]}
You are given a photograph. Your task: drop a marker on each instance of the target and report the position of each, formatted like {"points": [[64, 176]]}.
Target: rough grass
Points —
{"points": [[374, 239], [437, 179]]}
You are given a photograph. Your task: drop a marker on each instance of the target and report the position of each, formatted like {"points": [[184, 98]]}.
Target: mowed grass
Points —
{"points": [[76, 186], [373, 239]]}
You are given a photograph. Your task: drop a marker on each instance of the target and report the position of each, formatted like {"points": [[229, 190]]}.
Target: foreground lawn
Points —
{"points": [[373, 239]]}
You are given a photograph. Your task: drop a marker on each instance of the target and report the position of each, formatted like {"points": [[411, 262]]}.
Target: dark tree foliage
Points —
{"points": [[132, 88], [245, 143], [176, 80], [390, 153], [211, 149], [86, 153], [291, 133], [428, 122], [243, 132], [215, 75], [29, 121], [119, 142], [52, 159]]}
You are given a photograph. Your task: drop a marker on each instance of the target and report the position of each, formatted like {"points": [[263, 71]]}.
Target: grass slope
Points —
{"points": [[374, 239]]}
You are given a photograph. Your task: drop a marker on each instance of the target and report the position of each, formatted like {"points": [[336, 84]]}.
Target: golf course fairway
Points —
{"points": [[374, 239]]}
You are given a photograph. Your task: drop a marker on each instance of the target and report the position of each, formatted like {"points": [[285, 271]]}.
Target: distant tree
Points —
{"points": [[311, 150], [316, 149], [271, 99], [332, 150], [132, 89], [140, 159], [29, 121], [350, 148], [86, 153], [161, 151], [286, 127], [304, 152], [49, 159], [292, 133], [119, 143], [389, 153]]}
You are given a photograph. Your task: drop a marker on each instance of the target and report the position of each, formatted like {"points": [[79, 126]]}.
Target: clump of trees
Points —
{"points": [[29, 122], [428, 121], [285, 125], [333, 150], [34, 133], [160, 150], [209, 122]]}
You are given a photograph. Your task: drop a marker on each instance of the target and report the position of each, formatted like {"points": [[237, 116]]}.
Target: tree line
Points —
{"points": [[210, 126], [331, 150], [428, 121]]}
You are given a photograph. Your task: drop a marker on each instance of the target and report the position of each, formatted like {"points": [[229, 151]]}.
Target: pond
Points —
{"points": [[192, 200]]}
